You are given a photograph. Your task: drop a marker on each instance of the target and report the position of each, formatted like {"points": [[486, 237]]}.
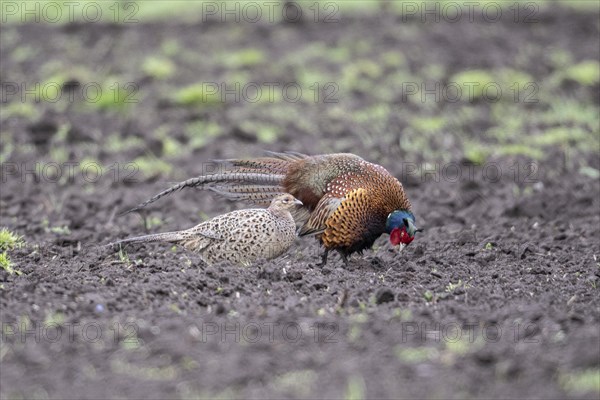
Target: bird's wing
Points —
{"points": [[223, 226], [316, 223], [352, 220], [202, 236], [205, 230], [210, 235]]}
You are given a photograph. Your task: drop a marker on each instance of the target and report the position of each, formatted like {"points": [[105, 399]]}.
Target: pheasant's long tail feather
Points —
{"points": [[232, 179], [257, 194], [276, 165], [171, 237], [263, 165]]}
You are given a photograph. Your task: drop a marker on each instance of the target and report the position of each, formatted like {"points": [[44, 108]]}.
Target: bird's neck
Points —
{"points": [[278, 212]]}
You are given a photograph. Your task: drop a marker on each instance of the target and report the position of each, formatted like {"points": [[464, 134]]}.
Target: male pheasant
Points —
{"points": [[240, 237], [348, 202]]}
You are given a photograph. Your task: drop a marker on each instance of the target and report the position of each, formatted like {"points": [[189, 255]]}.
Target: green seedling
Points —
{"points": [[152, 166], [22, 110], [415, 355], [197, 94], [170, 47], [459, 347], [451, 287], [10, 240], [243, 58], [476, 154], [590, 172], [200, 133], [265, 133], [116, 143], [520, 149], [586, 73], [355, 390], [586, 381], [60, 230], [354, 333], [428, 124], [428, 296], [114, 96], [5, 263], [54, 318], [476, 78], [158, 67], [153, 222], [123, 256]]}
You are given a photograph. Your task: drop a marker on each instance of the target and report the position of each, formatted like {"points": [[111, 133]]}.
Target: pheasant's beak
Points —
{"points": [[399, 247], [412, 229], [298, 202]]}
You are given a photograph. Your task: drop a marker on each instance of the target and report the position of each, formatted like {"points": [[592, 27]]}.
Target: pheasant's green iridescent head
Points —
{"points": [[401, 227]]}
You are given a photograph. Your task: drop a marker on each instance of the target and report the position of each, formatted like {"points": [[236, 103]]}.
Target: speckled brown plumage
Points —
{"points": [[241, 236], [347, 200]]}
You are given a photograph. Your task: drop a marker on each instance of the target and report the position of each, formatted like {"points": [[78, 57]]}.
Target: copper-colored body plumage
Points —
{"points": [[346, 199]]}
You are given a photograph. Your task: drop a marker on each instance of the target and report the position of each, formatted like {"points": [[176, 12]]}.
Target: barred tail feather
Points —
{"points": [[288, 155], [235, 177], [276, 163], [260, 195], [255, 180], [156, 237]]}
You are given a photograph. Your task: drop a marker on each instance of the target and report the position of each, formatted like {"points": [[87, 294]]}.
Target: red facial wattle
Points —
{"points": [[399, 235]]}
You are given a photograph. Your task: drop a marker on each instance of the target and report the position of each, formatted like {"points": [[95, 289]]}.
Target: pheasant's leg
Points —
{"points": [[323, 259], [344, 258]]}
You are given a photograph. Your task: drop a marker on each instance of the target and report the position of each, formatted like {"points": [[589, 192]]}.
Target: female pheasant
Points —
{"points": [[348, 202], [240, 237]]}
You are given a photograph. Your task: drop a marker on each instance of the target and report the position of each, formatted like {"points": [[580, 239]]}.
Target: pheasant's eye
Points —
{"points": [[405, 220]]}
